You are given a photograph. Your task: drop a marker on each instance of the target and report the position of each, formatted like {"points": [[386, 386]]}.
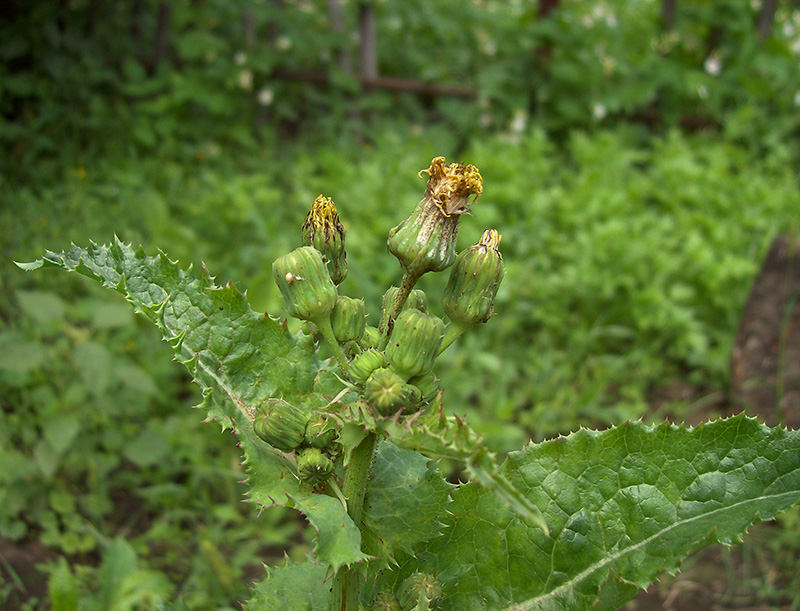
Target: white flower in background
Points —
{"points": [[797, 98], [795, 46], [240, 58], [755, 5], [713, 64], [702, 92], [283, 43], [485, 120], [599, 111], [265, 96], [519, 122], [246, 80]]}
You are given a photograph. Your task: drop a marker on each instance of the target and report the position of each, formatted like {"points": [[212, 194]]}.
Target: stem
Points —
{"points": [[406, 286], [454, 331], [324, 326], [346, 584]]}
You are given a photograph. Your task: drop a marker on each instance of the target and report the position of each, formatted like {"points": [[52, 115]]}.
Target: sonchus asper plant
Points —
{"points": [[579, 522]]}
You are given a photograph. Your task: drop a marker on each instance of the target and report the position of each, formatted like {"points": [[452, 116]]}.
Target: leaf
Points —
{"points": [[405, 501], [238, 357], [623, 505], [292, 587], [436, 435]]}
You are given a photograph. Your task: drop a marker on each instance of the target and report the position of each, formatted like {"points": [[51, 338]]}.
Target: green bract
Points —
{"points": [[420, 591], [428, 385], [305, 284], [280, 424], [348, 319], [313, 466], [414, 342], [319, 432], [364, 364], [386, 391], [474, 280]]}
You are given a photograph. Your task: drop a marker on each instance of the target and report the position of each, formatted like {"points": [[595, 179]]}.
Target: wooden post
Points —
{"points": [[336, 14], [368, 50], [766, 18]]}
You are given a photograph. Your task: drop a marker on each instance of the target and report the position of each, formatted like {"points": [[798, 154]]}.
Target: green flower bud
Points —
{"points": [[305, 284], [364, 364], [348, 319], [426, 240], [371, 337], [323, 231], [385, 601], [474, 280], [386, 391], [320, 432], [416, 300], [428, 385], [420, 591], [280, 424], [414, 343], [313, 466]]}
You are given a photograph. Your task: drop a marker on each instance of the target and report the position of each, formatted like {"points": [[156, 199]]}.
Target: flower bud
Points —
{"points": [[428, 385], [319, 432], [364, 364], [323, 231], [280, 424], [414, 343], [416, 299], [385, 601], [305, 284], [348, 319], [419, 588], [313, 466], [474, 280], [426, 240], [386, 391], [371, 337]]}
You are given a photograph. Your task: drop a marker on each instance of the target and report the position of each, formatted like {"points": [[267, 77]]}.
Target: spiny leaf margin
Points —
{"points": [[623, 505], [237, 356]]}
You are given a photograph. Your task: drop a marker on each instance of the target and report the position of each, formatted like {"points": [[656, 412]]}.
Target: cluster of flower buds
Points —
{"points": [[288, 429], [420, 591], [390, 365]]}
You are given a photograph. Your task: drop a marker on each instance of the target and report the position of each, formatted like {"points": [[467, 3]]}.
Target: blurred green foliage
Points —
{"points": [[630, 241]]}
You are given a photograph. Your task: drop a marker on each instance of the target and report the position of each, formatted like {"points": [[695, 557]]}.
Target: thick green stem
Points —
{"points": [[324, 325], [347, 583]]}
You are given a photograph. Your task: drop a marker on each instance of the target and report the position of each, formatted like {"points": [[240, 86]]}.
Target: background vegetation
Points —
{"points": [[638, 157]]}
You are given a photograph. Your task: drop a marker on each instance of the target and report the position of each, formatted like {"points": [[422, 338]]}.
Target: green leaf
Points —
{"points": [[62, 588], [238, 357], [623, 506], [293, 587], [405, 501]]}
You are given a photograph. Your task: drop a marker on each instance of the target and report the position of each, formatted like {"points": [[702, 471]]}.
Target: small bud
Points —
{"points": [[419, 588], [414, 343], [428, 385], [320, 432], [313, 466], [323, 231], [280, 424], [305, 284], [474, 279], [348, 319], [426, 240], [364, 364], [371, 337], [415, 300], [386, 391], [385, 601]]}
